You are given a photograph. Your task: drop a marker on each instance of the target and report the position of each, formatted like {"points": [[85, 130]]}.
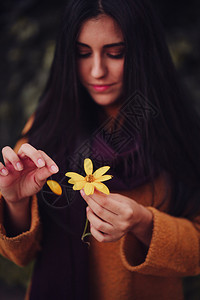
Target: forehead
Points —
{"points": [[103, 29]]}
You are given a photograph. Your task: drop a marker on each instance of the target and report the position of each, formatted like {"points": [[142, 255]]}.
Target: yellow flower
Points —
{"points": [[91, 180]]}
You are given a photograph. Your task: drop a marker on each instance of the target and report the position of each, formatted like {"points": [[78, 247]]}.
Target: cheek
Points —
{"points": [[118, 70]]}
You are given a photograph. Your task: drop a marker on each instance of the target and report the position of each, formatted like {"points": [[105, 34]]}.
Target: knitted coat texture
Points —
{"points": [[126, 270]]}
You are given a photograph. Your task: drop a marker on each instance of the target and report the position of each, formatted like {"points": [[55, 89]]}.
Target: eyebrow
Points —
{"points": [[105, 46]]}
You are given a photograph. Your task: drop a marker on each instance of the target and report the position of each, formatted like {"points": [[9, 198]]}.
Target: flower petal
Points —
{"points": [[88, 166], [79, 185], [101, 187], [104, 178], [89, 188], [55, 187], [72, 181], [99, 172], [74, 176]]}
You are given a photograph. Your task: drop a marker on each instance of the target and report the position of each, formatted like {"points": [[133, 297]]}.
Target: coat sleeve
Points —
{"points": [[21, 249], [174, 249]]}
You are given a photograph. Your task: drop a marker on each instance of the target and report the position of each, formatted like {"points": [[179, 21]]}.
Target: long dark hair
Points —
{"points": [[171, 138]]}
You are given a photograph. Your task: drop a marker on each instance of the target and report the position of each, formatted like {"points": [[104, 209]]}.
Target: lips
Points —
{"points": [[101, 88]]}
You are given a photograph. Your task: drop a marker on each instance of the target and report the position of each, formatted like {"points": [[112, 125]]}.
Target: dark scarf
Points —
{"points": [[61, 270]]}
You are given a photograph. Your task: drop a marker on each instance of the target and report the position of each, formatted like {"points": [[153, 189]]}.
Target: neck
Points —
{"points": [[111, 110]]}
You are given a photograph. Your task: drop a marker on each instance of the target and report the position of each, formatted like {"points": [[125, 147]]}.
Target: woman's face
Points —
{"points": [[100, 59]]}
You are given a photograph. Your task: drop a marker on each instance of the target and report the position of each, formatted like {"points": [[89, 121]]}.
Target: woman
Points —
{"points": [[112, 76]]}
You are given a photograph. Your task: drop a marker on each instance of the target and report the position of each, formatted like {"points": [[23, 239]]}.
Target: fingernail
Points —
{"points": [[4, 171], [19, 166], [41, 163], [82, 193], [54, 169]]}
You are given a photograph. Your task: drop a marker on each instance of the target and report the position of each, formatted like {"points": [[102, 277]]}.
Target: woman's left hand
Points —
{"points": [[112, 216]]}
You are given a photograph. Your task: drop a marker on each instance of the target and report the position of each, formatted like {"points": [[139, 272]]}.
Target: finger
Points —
{"points": [[3, 170], [116, 203], [27, 162], [53, 168], [10, 156], [41, 175], [29, 151], [50, 168], [101, 211], [98, 223], [99, 236], [105, 201]]}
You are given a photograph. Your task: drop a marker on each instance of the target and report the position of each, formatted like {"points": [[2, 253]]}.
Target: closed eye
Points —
{"points": [[114, 56], [83, 55]]}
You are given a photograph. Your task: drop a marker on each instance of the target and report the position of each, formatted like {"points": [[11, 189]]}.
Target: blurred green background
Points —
{"points": [[27, 43]]}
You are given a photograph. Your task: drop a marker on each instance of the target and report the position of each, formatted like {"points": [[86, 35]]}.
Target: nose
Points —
{"points": [[99, 68]]}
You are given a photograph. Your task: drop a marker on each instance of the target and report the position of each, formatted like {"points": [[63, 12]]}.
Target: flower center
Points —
{"points": [[89, 178]]}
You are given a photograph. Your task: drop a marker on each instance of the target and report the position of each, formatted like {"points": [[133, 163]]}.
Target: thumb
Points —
{"points": [[42, 174]]}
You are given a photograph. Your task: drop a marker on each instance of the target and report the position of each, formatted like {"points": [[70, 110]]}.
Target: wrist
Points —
{"points": [[17, 207], [144, 227], [17, 216]]}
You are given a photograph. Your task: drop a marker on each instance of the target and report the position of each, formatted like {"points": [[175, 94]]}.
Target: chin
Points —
{"points": [[105, 100]]}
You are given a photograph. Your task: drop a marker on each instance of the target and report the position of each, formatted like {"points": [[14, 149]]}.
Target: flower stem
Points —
{"points": [[85, 233]]}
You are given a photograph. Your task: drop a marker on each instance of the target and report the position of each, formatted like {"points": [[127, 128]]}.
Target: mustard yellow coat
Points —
{"points": [[125, 270]]}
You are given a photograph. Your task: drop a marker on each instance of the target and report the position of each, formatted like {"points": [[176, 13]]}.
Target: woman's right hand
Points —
{"points": [[24, 173]]}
